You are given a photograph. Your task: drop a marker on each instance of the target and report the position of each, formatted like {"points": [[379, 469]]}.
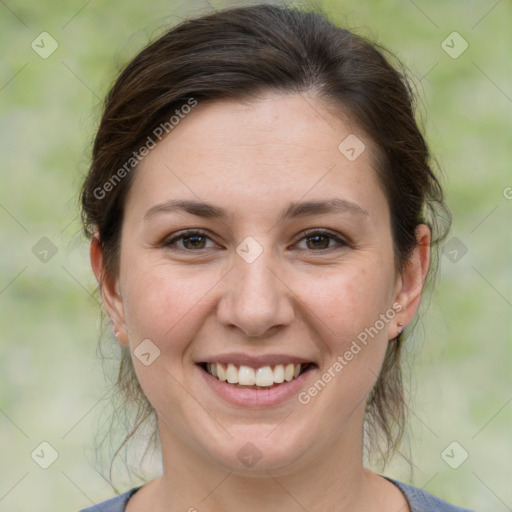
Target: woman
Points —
{"points": [[261, 212]]}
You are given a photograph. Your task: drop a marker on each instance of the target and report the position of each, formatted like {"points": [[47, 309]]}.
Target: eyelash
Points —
{"points": [[305, 235]]}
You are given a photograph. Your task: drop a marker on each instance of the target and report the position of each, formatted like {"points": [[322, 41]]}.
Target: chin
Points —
{"points": [[256, 451]]}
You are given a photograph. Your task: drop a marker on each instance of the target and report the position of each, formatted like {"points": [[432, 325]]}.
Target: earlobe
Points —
{"points": [[412, 278], [109, 289]]}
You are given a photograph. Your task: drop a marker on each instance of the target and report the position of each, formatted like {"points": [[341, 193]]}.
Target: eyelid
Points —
{"points": [[185, 233], [339, 239]]}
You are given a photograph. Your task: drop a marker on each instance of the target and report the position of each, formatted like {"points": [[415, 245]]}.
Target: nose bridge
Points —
{"points": [[255, 299]]}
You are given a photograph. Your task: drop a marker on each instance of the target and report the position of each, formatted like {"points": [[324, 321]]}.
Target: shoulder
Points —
{"points": [[419, 501], [422, 501], [117, 504]]}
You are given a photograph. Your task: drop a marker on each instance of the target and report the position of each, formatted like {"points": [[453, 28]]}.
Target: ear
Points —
{"points": [[412, 279], [110, 290]]}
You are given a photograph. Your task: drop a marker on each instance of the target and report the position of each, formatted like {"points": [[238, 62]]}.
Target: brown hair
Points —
{"points": [[236, 54]]}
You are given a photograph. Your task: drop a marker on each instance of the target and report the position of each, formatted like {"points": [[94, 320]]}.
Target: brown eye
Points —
{"points": [[322, 241], [318, 242], [188, 241], [193, 242]]}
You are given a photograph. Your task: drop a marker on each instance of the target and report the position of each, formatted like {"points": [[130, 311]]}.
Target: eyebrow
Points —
{"points": [[293, 210]]}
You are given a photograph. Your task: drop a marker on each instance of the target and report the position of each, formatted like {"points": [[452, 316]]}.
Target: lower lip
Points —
{"points": [[255, 398]]}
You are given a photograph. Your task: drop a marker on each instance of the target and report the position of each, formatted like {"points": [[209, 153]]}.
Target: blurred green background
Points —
{"points": [[51, 377]]}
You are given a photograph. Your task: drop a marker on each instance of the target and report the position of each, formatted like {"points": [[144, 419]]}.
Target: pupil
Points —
{"points": [[195, 238], [316, 238]]}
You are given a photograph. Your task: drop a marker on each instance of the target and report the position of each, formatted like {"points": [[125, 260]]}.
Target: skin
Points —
{"points": [[253, 159]]}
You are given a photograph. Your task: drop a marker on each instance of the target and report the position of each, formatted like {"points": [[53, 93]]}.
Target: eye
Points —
{"points": [[190, 240], [196, 240], [320, 240]]}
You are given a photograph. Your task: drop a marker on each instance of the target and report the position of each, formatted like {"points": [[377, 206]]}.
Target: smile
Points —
{"points": [[264, 377]]}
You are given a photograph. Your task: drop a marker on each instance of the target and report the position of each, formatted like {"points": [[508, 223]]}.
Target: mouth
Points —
{"points": [[258, 379]]}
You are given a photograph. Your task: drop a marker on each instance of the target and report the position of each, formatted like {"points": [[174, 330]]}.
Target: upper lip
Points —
{"points": [[239, 359]]}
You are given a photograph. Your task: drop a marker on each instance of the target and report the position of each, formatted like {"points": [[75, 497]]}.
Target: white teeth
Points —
{"points": [[279, 373], [221, 372], [247, 376], [264, 376], [288, 372], [232, 374]]}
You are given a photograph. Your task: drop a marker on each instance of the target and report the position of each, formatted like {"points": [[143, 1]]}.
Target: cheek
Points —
{"points": [[167, 303], [163, 304], [348, 300], [166, 306], [350, 306]]}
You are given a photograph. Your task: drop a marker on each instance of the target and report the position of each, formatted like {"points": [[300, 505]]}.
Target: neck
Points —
{"points": [[333, 479]]}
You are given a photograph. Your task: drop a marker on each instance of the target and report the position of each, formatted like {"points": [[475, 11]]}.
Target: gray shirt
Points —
{"points": [[419, 501]]}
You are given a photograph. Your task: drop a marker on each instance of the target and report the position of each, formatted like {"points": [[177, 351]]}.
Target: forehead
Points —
{"points": [[272, 149]]}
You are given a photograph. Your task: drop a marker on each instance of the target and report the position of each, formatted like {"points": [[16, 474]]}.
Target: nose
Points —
{"points": [[255, 299]]}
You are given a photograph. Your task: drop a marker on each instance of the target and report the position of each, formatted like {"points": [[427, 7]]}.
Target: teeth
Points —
{"points": [[265, 376], [288, 372], [232, 374], [279, 373], [221, 372], [247, 376]]}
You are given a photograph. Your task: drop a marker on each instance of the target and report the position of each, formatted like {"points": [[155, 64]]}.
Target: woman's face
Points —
{"points": [[289, 260]]}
